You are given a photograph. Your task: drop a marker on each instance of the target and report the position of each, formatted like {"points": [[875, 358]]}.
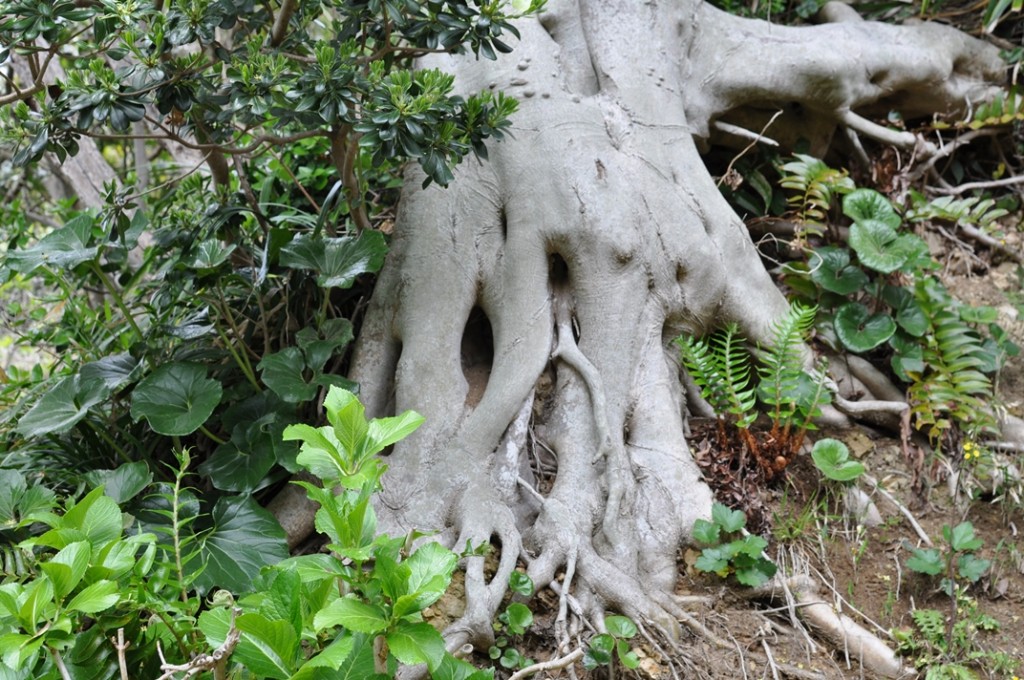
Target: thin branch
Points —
{"points": [[991, 184], [120, 645], [204, 662], [553, 664]]}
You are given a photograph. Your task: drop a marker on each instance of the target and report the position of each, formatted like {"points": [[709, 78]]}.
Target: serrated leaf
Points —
{"points": [[962, 537], [176, 399], [972, 567], [926, 561], [706, 532], [95, 598], [859, 330], [383, 432], [67, 567], [731, 521], [415, 643], [267, 648], [758, 574]]}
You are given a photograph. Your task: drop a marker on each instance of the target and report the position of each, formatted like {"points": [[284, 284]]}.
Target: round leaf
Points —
{"points": [[868, 204], [176, 398], [833, 271], [859, 330], [873, 240]]}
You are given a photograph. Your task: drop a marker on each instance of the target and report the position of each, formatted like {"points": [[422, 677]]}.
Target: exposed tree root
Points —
{"points": [[530, 305]]}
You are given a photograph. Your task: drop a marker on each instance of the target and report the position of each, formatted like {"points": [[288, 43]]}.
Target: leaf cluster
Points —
{"points": [[730, 550]]}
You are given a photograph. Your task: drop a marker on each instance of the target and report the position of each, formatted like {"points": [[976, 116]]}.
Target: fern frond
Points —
{"points": [[952, 389], [815, 185], [720, 365], [781, 370]]}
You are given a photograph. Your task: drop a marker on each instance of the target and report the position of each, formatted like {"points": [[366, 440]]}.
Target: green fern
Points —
{"points": [[785, 387], [720, 365], [974, 210], [816, 186], [952, 390], [932, 625]]}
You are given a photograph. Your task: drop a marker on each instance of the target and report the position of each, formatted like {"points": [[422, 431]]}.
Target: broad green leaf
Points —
{"points": [[19, 501], [67, 567], [337, 261], [457, 669], [242, 467], [123, 483], [620, 627], [97, 515], [873, 241], [348, 418], [431, 568], [62, 407], [319, 345], [859, 330], [752, 546], [868, 204], [628, 657], [176, 398], [114, 371], [384, 432], [909, 314], [284, 372], [415, 643], [211, 254], [95, 598], [243, 539], [38, 596], [267, 648], [321, 452], [283, 598], [331, 657], [313, 568], [518, 617], [61, 249], [832, 270], [353, 614], [731, 521], [17, 649]]}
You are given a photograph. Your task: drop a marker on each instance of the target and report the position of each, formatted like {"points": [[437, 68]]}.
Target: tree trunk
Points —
{"points": [[527, 310]]}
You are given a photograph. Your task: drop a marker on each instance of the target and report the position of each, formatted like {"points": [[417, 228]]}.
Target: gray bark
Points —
{"points": [[590, 241]]}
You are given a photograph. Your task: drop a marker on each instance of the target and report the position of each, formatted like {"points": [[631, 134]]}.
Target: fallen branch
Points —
{"points": [[875, 486], [213, 662]]}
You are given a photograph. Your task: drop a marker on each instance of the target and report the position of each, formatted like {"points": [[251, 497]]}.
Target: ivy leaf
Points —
{"points": [[124, 483], [283, 372], [859, 330], [243, 539], [521, 583], [176, 399], [113, 371], [62, 407], [338, 261], [63, 248]]}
